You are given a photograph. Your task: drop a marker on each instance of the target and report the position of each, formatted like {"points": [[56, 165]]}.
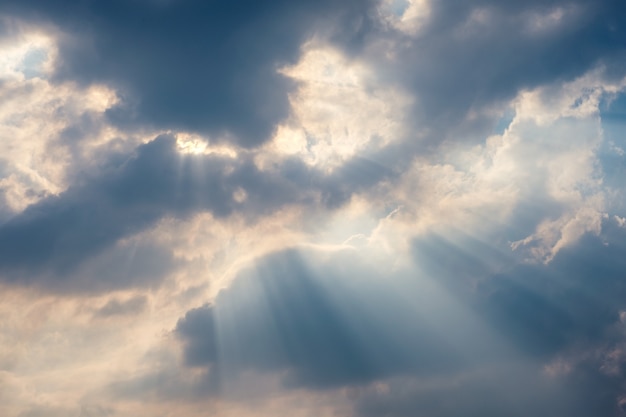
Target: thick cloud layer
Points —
{"points": [[302, 316], [466, 60], [314, 320], [58, 233], [208, 67], [212, 67]]}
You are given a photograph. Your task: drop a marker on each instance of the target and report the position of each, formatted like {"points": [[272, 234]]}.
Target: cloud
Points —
{"points": [[390, 208], [611, 154], [542, 309], [468, 322], [115, 307], [192, 65], [494, 392], [562, 319], [467, 61], [57, 234], [82, 411], [304, 314]]}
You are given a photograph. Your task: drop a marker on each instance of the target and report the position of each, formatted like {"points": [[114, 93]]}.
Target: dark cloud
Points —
{"points": [[8, 29], [469, 323], [504, 392], [542, 309], [477, 55], [326, 325], [193, 65], [211, 67], [513, 391], [572, 300], [57, 234], [563, 319]]}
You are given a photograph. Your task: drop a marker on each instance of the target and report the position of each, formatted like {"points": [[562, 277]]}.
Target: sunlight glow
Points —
{"points": [[191, 144], [338, 110], [29, 55]]}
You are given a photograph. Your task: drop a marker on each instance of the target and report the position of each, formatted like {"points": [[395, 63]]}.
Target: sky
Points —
{"points": [[312, 208]]}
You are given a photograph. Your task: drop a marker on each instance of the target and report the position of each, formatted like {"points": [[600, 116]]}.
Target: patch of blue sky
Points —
{"points": [[612, 153], [32, 64], [398, 7], [504, 121]]}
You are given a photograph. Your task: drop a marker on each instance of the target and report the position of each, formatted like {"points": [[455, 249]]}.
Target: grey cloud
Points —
{"points": [[564, 315], [8, 29], [165, 384], [128, 265], [326, 325], [468, 317], [457, 67], [542, 309], [60, 231], [611, 154], [211, 67], [513, 391], [58, 234], [572, 300], [192, 65], [165, 381]]}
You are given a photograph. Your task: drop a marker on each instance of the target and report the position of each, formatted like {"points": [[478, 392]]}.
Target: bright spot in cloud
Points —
{"points": [[338, 110], [26, 56], [192, 144], [38, 120], [240, 195]]}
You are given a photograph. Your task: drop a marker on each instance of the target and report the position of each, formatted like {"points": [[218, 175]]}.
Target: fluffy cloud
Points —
{"points": [[190, 65]]}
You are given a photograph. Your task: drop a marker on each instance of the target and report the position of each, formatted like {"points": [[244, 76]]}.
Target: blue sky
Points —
{"points": [[353, 208]]}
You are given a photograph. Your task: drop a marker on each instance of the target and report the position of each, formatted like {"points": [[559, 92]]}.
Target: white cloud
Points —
{"points": [[338, 110]]}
